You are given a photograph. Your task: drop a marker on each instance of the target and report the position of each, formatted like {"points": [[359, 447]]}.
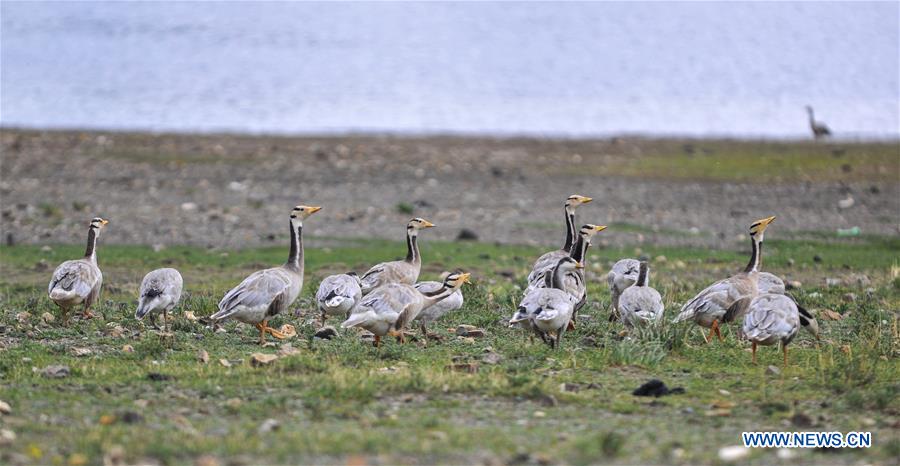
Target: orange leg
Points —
{"points": [[262, 332], [377, 341], [87, 314], [712, 331], [715, 327], [571, 325], [754, 352]]}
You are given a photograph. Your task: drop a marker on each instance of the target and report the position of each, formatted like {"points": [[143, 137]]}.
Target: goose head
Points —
{"points": [[758, 228]]}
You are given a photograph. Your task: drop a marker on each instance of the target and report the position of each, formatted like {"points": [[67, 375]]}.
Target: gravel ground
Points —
{"points": [[230, 191]]}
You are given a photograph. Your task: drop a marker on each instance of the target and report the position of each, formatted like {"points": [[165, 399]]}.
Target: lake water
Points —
{"points": [[697, 69]]}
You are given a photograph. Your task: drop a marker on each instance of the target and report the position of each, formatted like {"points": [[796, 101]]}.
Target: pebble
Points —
{"points": [[833, 282], [5, 408], [733, 453], [262, 359], [492, 358], [846, 203], [203, 356], [189, 206], [287, 349], [849, 297], [773, 370], [80, 352], [127, 349], [793, 285], [47, 318], [7, 437], [269, 425], [55, 371]]}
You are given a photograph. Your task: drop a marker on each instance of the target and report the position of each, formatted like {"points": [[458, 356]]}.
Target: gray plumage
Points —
{"points": [[160, 292], [549, 310], [622, 275], [403, 271], [639, 302], [775, 318], [439, 309], [770, 283], [337, 294], [78, 282], [547, 261]]}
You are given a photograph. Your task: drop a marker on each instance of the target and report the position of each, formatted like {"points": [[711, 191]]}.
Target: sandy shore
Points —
{"points": [[231, 191]]}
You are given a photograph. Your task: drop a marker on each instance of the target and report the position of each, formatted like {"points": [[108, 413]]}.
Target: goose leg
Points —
{"points": [[715, 326], [709, 338], [377, 341], [166, 319], [754, 352], [784, 350], [65, 317], [86, 313], [559, 336], [262, 332]]}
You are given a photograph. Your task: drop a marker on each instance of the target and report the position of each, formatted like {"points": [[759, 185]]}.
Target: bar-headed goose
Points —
{"points": [[640, 303], [731, 295], [389, 308], [160, 292], [432, 313], [337, 294], [549, 310], [549, 260], [776, 318], [266, 293], [78, 281], [405, 271]]}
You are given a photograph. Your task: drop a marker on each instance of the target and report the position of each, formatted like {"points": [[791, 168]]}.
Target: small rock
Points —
{"points": [[5, 408], [189, 206], [288, 349], [203, 356], [269, 425], [791, 262], [262, 359], [7, 437], [548, 400], [127, 349], [157, 377], [720, 412], [464, 330], [491, 358], [793, 285], [833, 282], [539, 414], [468, 367], [569, 387], [868, 422], [733, 453], [828, 314], [56, 371], [80, 352], [785, 454], [23, 317], [656, 388], [130, 417], [206, 460], [158, 247], [233, 403], [467, 235], [288, 330], [817, 258], [47, 318], [773, 370], [801, 420], [846, 203], [141, 403], [326, 333], [189, 315], [849, 297], [661, 259], [225, 362]]}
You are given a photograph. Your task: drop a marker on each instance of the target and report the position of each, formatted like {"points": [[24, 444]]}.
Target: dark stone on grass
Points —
{"points": [[656, 388], [326, 333], [131, 417], [817, 258], [467, 235], [157, 377], [801, 420], [548, 400]]}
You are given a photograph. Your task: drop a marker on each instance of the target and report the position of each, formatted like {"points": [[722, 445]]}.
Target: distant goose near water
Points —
{"points": [[818, 128]]}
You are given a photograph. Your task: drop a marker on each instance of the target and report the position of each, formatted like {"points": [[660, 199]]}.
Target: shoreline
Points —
{"points": [[233, 190]]}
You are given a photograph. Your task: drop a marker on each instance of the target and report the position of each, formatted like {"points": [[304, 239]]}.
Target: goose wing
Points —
{"points": [[712, 301], [261, 289], [75, 278], [337, 285], [389, 272], [544, 264], [771, 316], [162, 282]]}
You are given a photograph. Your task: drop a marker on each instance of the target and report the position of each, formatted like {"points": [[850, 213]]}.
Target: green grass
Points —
{"points": [[342, 398]]}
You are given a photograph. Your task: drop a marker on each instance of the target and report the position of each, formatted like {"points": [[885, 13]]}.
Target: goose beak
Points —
{"points": [[314, 209], [579, 265], [427, 224], [465, 277], [104, 222], [599, 228]]}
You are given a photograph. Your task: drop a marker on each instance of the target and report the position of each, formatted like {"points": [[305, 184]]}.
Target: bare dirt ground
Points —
{"points": [[230, 191]]}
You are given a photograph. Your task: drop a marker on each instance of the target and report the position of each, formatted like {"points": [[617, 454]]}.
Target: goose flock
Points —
{"points": [[389, 298]]}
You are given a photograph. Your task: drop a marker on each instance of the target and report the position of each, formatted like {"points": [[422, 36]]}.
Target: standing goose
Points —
{"points": [[731, 295], [78, 281], [432, 313], [818, 128], [268, 292], [623, 274], [160, 291], [549, 310], [549, 260], [337, 294], [405, 271], [774, 318], [639, 302], [390, 308]]}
